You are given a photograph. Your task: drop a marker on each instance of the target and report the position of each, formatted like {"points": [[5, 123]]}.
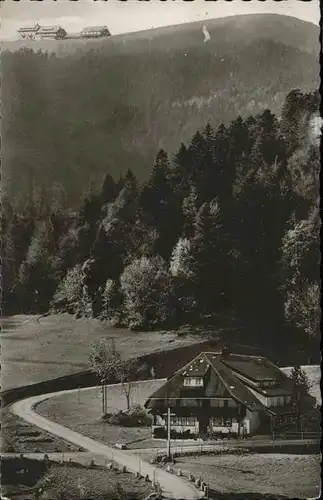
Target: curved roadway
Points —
{"points": [[172, 486]]}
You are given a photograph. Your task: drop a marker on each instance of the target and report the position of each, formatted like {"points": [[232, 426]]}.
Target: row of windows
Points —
{"points": [[193, 382], [279, 400], [268, 383], [214, 403], [192, 421], [189, 421], [283, 419]]}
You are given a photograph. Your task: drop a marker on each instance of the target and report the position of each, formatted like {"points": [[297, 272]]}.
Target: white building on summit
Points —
{"points": [[38, 32], [28, 32]]}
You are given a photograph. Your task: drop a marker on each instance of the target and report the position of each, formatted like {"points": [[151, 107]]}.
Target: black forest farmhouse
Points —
{"points": [[219, 393]]}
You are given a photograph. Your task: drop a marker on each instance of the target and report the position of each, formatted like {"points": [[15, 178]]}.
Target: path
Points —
{"points": [[172, 486]]}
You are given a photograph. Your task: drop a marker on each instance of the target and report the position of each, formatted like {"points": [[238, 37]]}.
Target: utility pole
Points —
{"points": [[168, 431], [299, 409], [103, 398]]}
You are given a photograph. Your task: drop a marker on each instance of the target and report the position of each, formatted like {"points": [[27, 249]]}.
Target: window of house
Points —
{"points": [[232, 403], [267, 383], [221, 421], [189, 421], [271, 401], [193, 382], [216, 421], [189, 402], [183, 421]]}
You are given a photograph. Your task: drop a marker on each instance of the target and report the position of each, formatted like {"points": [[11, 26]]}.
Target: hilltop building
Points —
{"points": [[220, 392], [51, 33], [28, 32], [95, 32], [38, 32]]}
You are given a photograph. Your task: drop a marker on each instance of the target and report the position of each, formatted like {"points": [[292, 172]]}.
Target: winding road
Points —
{"points": [[173, 487]]}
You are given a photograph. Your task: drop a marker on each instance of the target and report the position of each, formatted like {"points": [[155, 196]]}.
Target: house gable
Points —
{"points": [[219, 383]]}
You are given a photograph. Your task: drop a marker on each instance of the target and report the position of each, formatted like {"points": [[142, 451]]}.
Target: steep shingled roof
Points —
{"points": [[236, 388], [49, 29], [255, 367], [29, 28], [91, 29], [224, 384], [96, 28], [196, 368]]}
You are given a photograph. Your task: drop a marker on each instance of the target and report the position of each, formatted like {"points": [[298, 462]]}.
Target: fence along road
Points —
{"points": [[172, 486]]}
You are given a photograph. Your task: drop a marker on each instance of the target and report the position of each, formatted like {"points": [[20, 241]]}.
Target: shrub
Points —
{"points": [[136, 416], [161, 433]]}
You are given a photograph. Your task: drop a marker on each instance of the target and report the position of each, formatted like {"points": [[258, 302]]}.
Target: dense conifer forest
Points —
{"points": [[227, 228]]}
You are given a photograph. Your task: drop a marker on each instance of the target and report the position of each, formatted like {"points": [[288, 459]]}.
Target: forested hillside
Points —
{"points": [[75, 111], [228, 227]]}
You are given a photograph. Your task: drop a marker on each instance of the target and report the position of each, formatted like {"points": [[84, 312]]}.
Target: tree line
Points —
{"points": [[228, 227]]}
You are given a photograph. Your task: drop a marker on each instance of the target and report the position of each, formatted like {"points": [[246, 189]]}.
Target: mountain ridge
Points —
{"points": [[98, 111], [152, 33]]}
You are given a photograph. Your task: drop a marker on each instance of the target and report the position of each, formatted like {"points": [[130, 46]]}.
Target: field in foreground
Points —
{"points": [[293, 476], [70, 481], [57, 345]]}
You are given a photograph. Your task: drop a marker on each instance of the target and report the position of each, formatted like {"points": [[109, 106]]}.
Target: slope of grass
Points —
{"points": [[82, 411], [57, 345], [295, 32], [292, 476]]}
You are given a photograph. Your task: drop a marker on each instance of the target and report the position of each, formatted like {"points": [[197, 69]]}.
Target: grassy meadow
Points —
{"points": [[56, 345], [293, 476], [82, 411]]}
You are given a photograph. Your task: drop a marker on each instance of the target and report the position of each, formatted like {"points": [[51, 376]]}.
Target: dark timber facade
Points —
{"points": [[223, 393]]}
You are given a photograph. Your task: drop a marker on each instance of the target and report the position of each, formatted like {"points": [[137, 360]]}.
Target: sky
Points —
{"points": [[136, 15]]}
